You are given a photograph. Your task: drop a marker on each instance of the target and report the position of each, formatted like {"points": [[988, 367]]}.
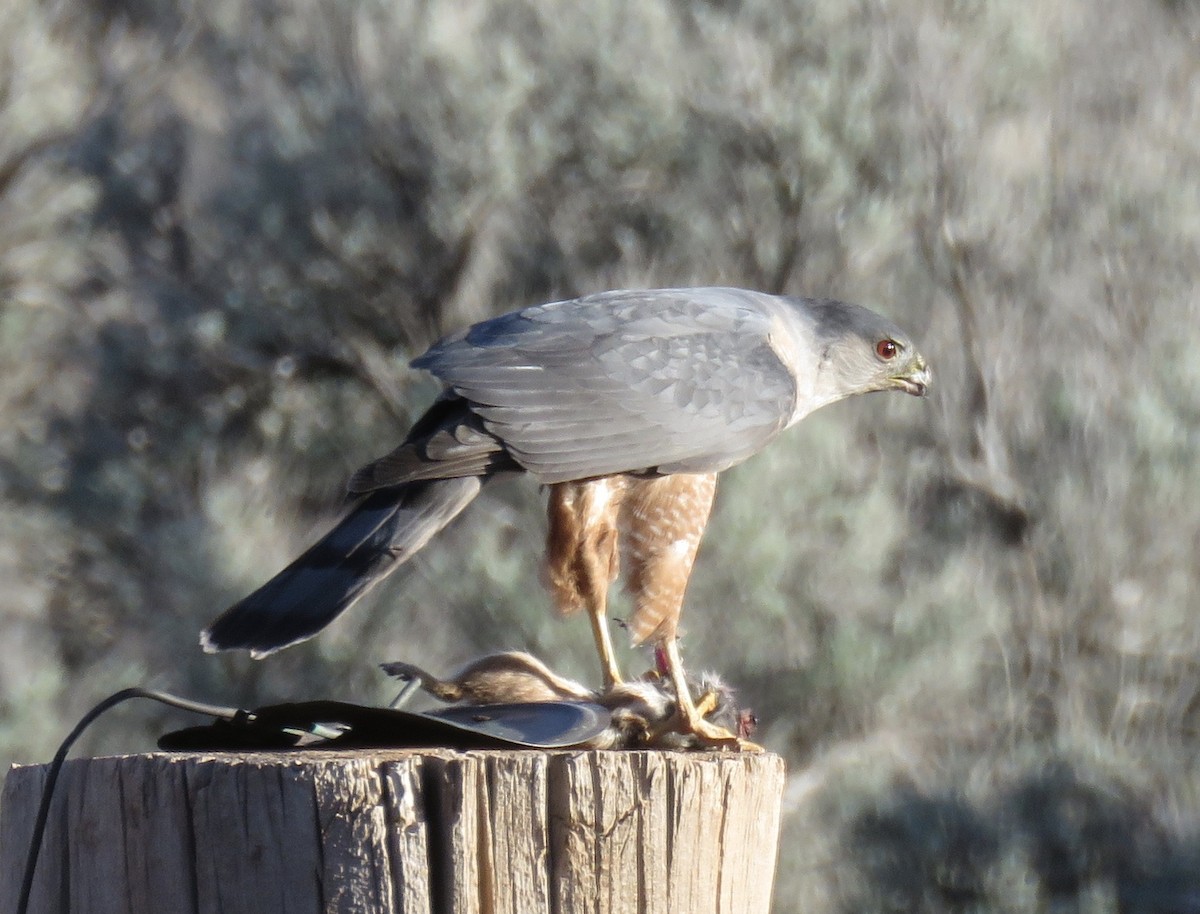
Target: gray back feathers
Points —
{"points": [[665, 380]]}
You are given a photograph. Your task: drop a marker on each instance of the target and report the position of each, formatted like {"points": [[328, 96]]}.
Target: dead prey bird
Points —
{"points": [[645, 713]]}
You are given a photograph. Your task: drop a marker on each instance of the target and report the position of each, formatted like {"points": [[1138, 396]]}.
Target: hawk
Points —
{"points": [[626, 405]]}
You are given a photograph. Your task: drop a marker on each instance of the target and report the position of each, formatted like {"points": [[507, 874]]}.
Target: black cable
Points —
{"points": [[39, 825]]}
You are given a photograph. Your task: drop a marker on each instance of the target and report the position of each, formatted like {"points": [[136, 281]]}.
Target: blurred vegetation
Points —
{"points": [[969, 624]]}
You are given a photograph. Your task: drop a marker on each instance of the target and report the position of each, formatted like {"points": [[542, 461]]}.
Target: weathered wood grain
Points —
{"points": [[18, 808], [417, 833], [408, 835]]}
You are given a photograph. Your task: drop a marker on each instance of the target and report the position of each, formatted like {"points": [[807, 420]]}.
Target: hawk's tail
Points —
{"points": [[381, 531]]}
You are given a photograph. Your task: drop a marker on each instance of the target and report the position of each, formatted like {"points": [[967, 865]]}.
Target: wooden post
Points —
{"points": [[400, 831]]}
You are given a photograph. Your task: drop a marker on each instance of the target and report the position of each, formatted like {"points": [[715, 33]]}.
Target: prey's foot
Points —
{"points": [[508, 676]]}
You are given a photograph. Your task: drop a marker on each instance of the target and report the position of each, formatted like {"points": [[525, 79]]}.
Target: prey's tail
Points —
{"points": [[382, 530]]}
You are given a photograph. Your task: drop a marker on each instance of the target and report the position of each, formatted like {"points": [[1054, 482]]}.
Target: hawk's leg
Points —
{"points": [[599, 577], [663, 519], [691, 714], [582, 557]]}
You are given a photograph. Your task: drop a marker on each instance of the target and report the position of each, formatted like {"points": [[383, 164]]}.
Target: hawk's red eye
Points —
{"points": [[887, 349]]}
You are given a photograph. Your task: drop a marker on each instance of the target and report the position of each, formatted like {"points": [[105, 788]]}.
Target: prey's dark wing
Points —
{"points": [[667, 380]]}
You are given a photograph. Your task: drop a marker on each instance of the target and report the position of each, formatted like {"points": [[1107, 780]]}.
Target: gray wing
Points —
{"points": [[662, 381]]}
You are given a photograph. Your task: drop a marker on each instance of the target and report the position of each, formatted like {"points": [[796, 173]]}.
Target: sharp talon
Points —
{"points": [[720, 738]]}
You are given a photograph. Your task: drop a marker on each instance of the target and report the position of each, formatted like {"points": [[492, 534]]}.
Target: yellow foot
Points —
{"points": [[689, 717], [718, 737], [690, 721]]}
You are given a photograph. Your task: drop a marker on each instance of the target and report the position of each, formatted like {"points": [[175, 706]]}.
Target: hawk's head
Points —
{"points": [[863, 351]]}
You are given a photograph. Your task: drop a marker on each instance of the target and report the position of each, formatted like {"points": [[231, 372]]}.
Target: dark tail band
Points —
{"points": [[379, 533]]}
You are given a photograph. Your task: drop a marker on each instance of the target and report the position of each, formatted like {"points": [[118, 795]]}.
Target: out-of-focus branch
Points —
{"points": [[984, 469]]}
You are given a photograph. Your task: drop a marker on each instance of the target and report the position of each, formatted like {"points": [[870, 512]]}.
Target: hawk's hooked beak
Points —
{"points": [[916, 379]]}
